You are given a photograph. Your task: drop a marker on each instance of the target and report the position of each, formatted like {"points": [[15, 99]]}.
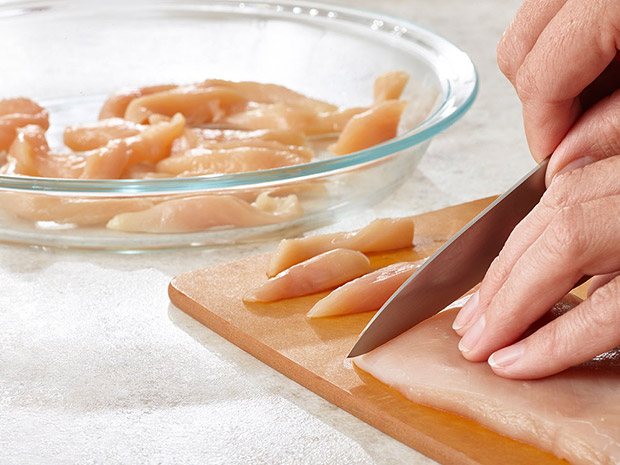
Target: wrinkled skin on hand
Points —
{"points": [[562, 58]]}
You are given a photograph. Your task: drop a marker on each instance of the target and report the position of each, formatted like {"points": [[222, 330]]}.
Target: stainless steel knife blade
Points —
{"points": [[456, 267]]}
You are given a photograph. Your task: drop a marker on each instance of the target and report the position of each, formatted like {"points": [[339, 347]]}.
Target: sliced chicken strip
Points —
{"points": [[17, 113], [151, 145], [227, 138], [86, 211], [389, 86], [367, 129], [207, 211], [270, 93], [284, 117], [267, 155], [83, 137], [380, 235], [116, 105], [320, 273], [30, 155], [365, 294], [198, 105]]}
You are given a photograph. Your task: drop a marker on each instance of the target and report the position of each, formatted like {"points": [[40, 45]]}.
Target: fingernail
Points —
{"points": [[465, 314], [472, 336], [507, 356], [576, 164]]}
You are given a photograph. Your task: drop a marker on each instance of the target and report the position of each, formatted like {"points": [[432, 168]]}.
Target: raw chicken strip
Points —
{"points": [[376, 125], [574, 414], [198, 105], [91, 136], [17, 113], [143, 170], [380, 235], [201, 161], [30, 155], [116, 105], [284, 117], [62, 210], [207, 211], [270, 93], [325, 271], [365, 294], [227, 138], [389, 86], [150, 146]]}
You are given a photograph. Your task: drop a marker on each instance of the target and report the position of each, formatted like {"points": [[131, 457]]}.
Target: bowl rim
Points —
{"points": [[461, 84]]}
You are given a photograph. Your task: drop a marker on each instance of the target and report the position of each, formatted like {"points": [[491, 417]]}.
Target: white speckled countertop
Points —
{"points": [[96, 365]]}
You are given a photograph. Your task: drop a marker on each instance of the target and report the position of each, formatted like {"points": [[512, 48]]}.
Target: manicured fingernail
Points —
{"points": [[472, 336], [507, 356], [466, 312]]}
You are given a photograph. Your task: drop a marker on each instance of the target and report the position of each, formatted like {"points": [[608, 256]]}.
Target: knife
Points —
{"points": [[456, 267]]}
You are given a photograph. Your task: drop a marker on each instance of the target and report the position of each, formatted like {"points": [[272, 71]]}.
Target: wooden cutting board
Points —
{"points": [[313, 352]]}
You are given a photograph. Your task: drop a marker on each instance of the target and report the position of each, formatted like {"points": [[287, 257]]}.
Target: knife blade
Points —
{"points": [[456, 267]]}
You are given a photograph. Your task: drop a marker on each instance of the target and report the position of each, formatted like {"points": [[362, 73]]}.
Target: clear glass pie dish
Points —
{"points": [[70, 55]]}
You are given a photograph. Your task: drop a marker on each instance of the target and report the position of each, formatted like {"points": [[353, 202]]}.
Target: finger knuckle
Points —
{"points": [[499, 269], [604, 302], [526, 84], [563, 237], [561, 192], [608, 141], [550, 340], [507, 57]]}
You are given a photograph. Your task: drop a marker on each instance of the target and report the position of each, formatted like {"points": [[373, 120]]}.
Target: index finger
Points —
{"points": [[575, 47]]}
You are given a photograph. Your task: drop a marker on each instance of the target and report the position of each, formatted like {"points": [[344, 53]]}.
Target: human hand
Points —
{"points": [[574, 231], [559, 55]]}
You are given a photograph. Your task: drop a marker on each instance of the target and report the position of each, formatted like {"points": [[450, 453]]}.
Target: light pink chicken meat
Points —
{"points": [[574, 414], [207, 211], [380, 235], [389, 86], [17, 113], [366, 293], [320, 273], [377, 124], [228, 138]]}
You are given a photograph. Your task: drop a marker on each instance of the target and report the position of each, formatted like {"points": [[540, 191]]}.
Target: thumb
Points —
{"points": [[593, 137]]}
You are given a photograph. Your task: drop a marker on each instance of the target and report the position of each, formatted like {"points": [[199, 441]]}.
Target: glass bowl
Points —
{"points": [[70, 55]]}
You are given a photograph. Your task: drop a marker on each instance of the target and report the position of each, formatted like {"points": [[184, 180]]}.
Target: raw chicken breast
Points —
{"points": [[263, 156], [91, 136], [198, 105], [30, 155], [227, 138], [389, 86], [270, 93], [143, 170], [574, 414], [380, 235], [150, 146], [63, 210], [365, 294], [325, 271], [16, 113], [376, 125], [283, 117], [116, 105], [207, 211]]}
